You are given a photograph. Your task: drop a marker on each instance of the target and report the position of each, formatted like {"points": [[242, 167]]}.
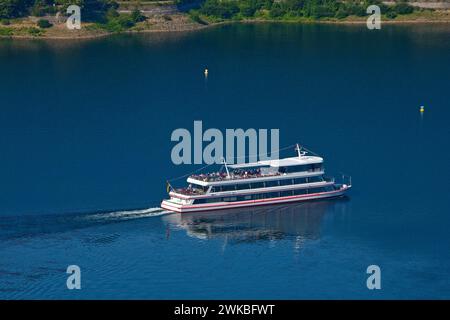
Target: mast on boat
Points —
{"points": [[226, 167], [299, 150]]}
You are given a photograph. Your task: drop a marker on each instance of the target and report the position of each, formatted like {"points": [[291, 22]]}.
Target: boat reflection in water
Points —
{"points": [[298, 221]]}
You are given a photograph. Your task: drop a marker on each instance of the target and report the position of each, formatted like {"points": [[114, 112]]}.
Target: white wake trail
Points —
{"points": [[129, 214]]}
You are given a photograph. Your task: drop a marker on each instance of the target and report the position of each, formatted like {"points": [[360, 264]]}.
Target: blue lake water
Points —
{"points": [[85, 137]]}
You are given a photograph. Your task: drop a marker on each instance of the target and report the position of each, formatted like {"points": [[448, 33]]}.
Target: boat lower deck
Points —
{"points": [[181, 208]]}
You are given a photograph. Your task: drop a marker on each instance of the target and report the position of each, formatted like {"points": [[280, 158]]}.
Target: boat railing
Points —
{"points": [[220, 176], [347, 180], [329, 179], [190, 191], [233, 176]]}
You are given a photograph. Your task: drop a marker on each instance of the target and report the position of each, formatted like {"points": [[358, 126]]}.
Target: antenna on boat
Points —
{"points": [[298, 149], [226, 167]]}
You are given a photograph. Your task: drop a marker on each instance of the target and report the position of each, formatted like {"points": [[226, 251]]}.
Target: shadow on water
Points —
{"points": [[268, 223]]}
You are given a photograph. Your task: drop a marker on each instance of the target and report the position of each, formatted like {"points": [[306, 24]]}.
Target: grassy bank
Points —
{"points": [[115, 23]]}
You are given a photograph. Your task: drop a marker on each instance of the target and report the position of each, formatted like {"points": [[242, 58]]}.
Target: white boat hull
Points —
{"points": [[183, 208]]}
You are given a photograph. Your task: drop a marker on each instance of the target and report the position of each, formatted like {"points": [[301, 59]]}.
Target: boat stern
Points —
{"points": [[171, 206]]}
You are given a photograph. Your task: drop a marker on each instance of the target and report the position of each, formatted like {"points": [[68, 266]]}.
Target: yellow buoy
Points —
{"points": [[206, 72], [422, 109]]}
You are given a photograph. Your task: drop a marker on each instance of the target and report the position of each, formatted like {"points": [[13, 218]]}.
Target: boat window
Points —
{"points": [[275, 183], [299, 192], [304, 167], [243, 186], [256, 185], [316, 190], [286, 193], [299, 180], [207, 200], [230, 187], [285, 182], [315, 179], [229, 199], [272, 195], [215, 189], [298, 168]]}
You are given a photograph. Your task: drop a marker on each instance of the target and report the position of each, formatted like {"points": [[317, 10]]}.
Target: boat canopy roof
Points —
{"points": [[286, 162]]}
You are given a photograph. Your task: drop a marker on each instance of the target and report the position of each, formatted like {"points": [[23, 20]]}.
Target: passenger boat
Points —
{"points": [[265, 182]]}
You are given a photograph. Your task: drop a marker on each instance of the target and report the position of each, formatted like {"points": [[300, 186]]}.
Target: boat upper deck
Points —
{"points": [[260, 169], [234, 175]]}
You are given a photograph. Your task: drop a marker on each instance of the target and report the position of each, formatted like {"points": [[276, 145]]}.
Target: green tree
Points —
{"points": [[248, 8], [119, 23], [224, 9], [403, 8], [13, 8], [294, 5], [277, 10], [44, 24], [341, 13], [137, 16], [194, 15], [391, 15], [355, 8]]}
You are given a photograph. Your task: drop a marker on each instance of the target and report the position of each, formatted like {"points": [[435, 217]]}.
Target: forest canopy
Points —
{"points": [[217, 9], [92, 9], [315, 9]]}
